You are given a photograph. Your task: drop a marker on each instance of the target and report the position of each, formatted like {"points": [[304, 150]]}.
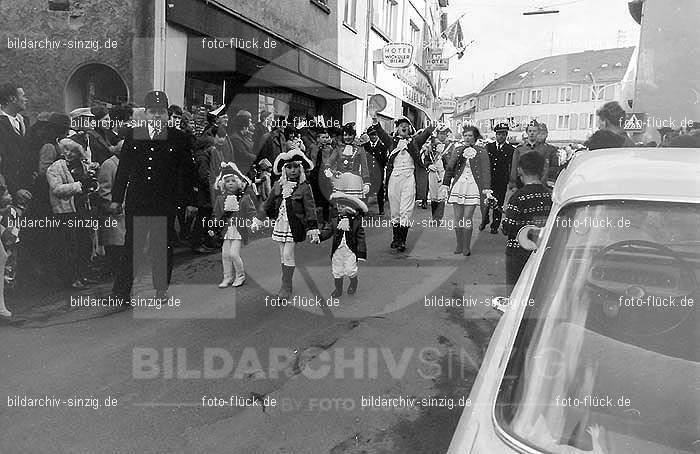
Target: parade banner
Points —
{"points": [[397, 55]]}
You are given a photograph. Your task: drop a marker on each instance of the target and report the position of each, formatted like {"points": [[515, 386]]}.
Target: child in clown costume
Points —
{"points": [[348, 235], [232, 207], [291, 205], [403, 163]]}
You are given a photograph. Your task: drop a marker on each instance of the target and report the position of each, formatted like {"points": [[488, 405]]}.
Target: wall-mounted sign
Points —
{"points": [[448, 104], [435, 62], [397, 55], [209, 99]]}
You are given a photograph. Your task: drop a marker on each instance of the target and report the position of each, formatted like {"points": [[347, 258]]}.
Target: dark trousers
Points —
{"points": [[159, 233], [381, 193], [515, 262], [199, 230], [116, 260]]}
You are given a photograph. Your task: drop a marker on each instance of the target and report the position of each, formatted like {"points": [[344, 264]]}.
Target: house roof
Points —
{"points": [[606, 65]]}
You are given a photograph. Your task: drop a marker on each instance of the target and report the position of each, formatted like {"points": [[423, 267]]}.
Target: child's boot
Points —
{"points": [[338, 287], [352, 288], [240, 279]]}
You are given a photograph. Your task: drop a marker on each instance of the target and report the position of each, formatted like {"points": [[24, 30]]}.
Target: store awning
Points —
{"points": [[286, 65]]}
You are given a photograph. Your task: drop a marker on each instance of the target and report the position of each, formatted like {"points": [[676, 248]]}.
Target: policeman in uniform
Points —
{"points": [[500, 155], [157, 174], [376, 159]]}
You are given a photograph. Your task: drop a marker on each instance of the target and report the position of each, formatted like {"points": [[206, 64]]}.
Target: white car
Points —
{"points": [[599, 348]]}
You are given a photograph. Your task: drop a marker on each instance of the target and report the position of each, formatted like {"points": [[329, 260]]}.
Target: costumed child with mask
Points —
{"points": [[348, 235], [233, 210], [291, 205]]}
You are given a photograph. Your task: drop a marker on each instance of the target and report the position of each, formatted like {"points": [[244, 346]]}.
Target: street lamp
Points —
{"points": [[596, 91]]}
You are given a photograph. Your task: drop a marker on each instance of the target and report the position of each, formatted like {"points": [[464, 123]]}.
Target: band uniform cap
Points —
{"points": [[373, 129], [501, 127], [443, 129], [156, 100]]}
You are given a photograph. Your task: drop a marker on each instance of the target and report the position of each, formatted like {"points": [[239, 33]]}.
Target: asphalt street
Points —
{"points": [[227, 371]]}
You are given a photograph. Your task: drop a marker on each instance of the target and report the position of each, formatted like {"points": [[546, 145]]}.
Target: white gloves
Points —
{"points": [[365, 189], [432, 168], [328, 173]]}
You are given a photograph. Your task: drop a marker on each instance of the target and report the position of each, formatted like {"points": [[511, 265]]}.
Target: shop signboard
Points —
{"points": [[397, 55], [435, 62]]}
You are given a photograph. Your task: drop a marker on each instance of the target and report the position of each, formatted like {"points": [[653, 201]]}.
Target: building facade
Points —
{"points": [[563, 91], [464, 112], [293, 57]]}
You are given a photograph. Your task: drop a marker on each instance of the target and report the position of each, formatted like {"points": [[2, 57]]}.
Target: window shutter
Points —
{"points": [[554, 94], [518, 97], [551, 122], [582, 121], [545, 96], [573, 121], [575, 93], [526, 96]]}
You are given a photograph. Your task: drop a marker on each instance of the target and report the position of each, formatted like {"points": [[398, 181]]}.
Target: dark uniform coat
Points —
{"points": [[376, 160], [354, 238], [301, 209], [160, 173], [500, 168]]}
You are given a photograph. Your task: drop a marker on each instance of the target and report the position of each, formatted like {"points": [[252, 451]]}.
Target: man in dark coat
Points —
{"points": [[13, 129], [501, 156], [377, 152], [158, 169]]}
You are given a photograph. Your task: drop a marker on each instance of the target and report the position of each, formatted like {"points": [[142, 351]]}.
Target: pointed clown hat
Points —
{"points": [[293, 155]]}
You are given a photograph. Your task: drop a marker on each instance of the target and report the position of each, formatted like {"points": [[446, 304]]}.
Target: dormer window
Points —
{"points": [[604, 65]]}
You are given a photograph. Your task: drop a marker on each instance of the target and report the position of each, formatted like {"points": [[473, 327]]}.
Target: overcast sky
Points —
{"points": [[504, 38]]}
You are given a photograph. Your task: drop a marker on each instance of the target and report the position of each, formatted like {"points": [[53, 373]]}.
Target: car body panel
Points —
{"points": [[645, 174]]}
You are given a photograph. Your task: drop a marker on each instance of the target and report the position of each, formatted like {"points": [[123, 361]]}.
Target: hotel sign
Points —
{"points": [[397, 55], [435, 62]]}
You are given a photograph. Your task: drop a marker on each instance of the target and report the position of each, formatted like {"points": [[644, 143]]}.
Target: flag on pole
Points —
{"points": [[455, 35]]}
